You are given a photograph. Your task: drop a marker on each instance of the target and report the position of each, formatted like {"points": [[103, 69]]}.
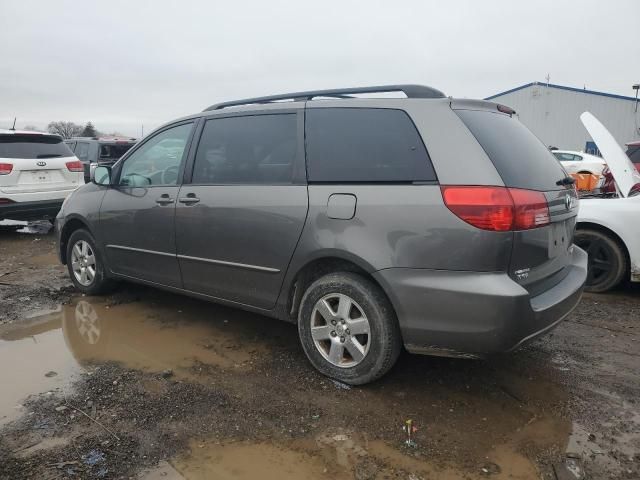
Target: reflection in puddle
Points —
{"points": [[45, 352]]}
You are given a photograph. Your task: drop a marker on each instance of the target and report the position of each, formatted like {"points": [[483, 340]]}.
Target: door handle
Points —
{"points": [[164, 199], [190, 199]]}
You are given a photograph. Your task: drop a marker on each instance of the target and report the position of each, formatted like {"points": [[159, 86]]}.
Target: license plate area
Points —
{"points": [[35, 176], [559, 239]]}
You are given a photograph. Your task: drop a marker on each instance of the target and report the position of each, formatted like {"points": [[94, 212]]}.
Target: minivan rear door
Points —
{"points": [[539, 255]]}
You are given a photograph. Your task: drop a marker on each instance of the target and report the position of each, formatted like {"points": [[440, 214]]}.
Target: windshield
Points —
{"points": [[114, 151], [29, 146]]}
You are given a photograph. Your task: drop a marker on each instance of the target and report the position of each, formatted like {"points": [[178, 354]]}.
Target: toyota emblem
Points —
{"points": [[42, 164], [568, 202]]}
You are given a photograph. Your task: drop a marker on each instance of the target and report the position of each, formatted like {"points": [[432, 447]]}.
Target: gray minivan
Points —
{"points": [[437, 224]]}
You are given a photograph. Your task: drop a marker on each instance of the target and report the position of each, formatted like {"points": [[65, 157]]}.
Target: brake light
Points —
{"points": [[5, 200], [75, 166], [6, 168], [497, 209]]}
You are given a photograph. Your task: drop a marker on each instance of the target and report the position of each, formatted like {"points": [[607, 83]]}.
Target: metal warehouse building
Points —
{"points": [[552, 112]]}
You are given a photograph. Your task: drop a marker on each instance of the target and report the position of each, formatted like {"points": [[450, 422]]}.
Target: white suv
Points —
{"points": [[37, 172]]}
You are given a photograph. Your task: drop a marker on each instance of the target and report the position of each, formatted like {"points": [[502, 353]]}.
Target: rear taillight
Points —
{"points": [[6, 168], [498, 209], [5, 200], [75, 166]]}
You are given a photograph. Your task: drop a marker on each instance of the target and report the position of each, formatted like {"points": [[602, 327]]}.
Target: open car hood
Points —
{"points": [[623, 171]]}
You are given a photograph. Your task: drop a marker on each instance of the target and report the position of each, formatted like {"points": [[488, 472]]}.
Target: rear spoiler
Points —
{"points": [[465, 104]]}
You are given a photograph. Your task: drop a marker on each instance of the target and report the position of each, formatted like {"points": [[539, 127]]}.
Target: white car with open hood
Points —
{"points": [[37, 172], [608, 226]]}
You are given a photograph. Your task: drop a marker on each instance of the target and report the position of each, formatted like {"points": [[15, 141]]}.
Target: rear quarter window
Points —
{"points": [[33, 146], [364, 145], [521, 159]]}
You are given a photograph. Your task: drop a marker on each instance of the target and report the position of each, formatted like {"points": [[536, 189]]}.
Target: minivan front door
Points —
{"points": [[239, 221], [137, 213]]}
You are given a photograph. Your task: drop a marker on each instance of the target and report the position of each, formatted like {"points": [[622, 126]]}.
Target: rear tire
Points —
{"points": [[607, 260], [348, 328], [86, 265]]}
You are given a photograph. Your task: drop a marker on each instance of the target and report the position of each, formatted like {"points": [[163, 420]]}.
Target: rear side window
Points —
{"points": [[254, 149], [364, 145], [33, 146], [113, 151], [519, 156], [634, 154], [82, 150]]}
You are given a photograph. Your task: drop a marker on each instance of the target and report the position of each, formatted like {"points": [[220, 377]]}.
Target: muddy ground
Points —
{"points": [[148, 385]]}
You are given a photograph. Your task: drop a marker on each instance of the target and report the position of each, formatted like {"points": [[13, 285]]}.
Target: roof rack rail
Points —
{"points": [[411, 91]]}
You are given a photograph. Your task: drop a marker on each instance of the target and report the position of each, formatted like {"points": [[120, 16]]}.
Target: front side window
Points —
{"points": [[157, 162], [253, 149], [364, 145]]}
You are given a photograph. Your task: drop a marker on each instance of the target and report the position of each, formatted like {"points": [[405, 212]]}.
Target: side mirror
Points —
{"points": [[101, 175]]}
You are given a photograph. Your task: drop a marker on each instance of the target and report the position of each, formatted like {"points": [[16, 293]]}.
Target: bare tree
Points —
{"points": [[65, 129]]}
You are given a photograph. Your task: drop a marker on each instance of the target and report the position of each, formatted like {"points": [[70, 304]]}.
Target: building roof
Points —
{"points": [[562, 87]]}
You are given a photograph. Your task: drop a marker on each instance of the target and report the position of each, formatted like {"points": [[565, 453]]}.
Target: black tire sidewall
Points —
{"points": [[100, 281], [618, 259], [385, 337]]}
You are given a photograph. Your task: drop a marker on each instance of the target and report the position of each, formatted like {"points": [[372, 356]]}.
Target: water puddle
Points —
{"points": [[329, 455], [45, 352]]}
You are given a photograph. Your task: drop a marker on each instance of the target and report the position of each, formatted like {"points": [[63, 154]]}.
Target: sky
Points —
{"points": [[127, 64]]}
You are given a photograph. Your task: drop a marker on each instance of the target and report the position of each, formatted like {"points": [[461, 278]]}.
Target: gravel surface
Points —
{"points": [[142, 383]]}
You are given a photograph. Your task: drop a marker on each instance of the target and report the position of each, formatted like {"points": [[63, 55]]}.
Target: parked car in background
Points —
{"points": [[633, 152], [608, 225], [345, 216], [580, 162], [37, 172], [608, 184], [93, 151]]}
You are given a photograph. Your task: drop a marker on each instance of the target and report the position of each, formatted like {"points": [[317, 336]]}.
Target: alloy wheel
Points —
{"points": [[340, 330], [83, 263]]}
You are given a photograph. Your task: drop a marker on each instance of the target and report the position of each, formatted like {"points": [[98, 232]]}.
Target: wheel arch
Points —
{"points": [[319, 266], [71, 225]]}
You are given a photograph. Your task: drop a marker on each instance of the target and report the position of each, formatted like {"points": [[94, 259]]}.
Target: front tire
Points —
{"points": [[348, 328], [86, 265], [607, 260]]}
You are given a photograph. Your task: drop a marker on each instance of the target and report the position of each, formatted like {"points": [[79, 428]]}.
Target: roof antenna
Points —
{"points": [[14, 124]]}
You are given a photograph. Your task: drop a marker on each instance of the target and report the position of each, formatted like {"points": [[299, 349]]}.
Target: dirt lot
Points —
{"points": [[144, 384]]}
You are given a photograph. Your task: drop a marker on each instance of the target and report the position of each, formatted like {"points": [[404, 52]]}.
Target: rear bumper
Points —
{"points": [[34, 210], [472, 314]]}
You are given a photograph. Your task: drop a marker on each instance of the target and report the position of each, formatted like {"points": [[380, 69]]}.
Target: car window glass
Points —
{"points": [[634, 154], [564, 157], [520, 158], [157, 161], [364, 145], [71, 145], [252, 149], [28, 145], [82, 151], [577, 158]]}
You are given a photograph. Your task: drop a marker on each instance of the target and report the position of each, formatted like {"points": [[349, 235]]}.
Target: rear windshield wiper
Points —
{"points": [[49, 155], [566, 181]]}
